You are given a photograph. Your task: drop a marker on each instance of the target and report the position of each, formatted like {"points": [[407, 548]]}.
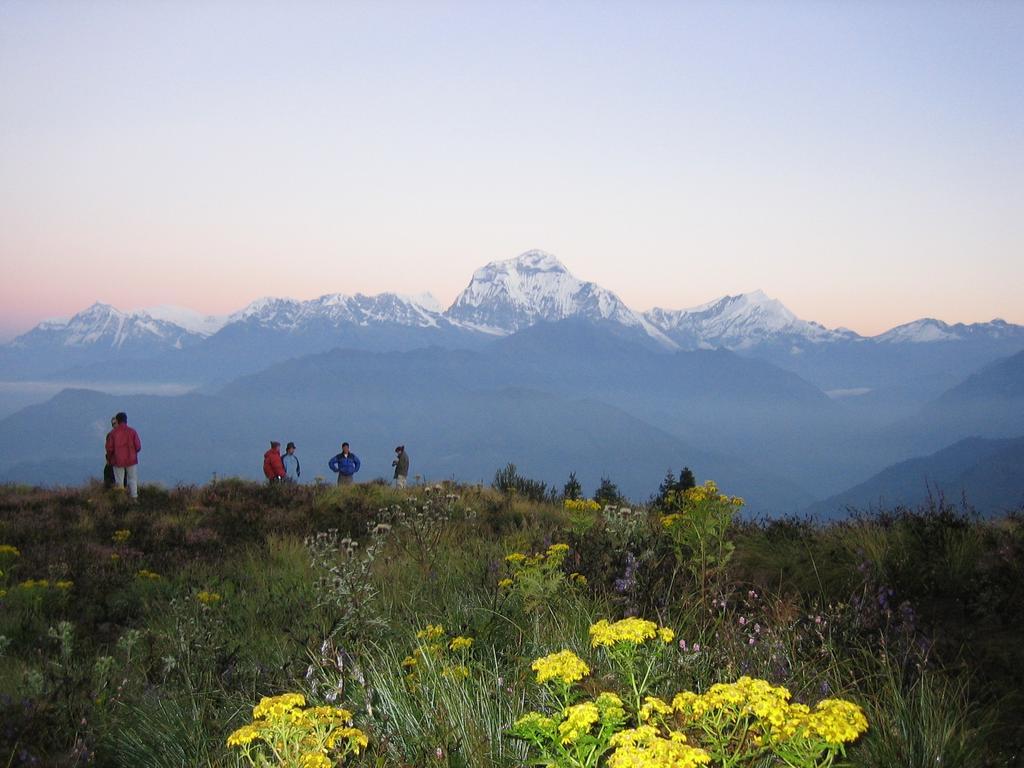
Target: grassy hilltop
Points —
{"points": [[423, 627]]}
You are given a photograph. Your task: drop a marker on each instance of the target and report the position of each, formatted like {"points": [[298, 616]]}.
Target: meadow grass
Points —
{"points": [[175, 616]]}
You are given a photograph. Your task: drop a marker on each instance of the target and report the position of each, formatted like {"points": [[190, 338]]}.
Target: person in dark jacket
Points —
{"points": [[291, 464], [401, 465], [123, 446], [108, 468], [272, 466], [346, 464]]}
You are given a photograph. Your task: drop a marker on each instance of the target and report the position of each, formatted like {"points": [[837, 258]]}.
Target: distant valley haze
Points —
{"points": [[529, 365]]}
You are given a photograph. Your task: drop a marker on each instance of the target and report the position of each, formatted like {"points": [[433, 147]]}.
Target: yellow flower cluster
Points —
{"points": [[709, 492], [432, 632], [833, 721], [536, 579], [148, 575], [434, 645], [8, 549], [30, 585], [121, 535], [298, 736], [315, 760], [579, 719], [35, 584], [653, 706], [572, 723], [456, 672], [630, 630], [581, 505], [837, 722], [271, 707], [564, 666], [208, 598], [644, 747]]}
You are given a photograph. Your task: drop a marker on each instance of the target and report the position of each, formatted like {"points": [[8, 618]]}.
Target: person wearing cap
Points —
{"points": [[346, 464], [401, 465], [291, 464], [272, 466], [123, 446]]}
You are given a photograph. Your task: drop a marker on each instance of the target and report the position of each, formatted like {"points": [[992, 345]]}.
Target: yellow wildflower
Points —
{"points": [[581, 505], [460, 643], [578, 721], [610, 707], [149, 575], [631, 630], [515, 557], [276, 706], [565, 666], [457, 672], [837, 721], [653, 705], [65, 585], [315, 760], [208, 598], [244, 735], [356, 738], [8, 549], [121, 536], [432, 632], [505, 583], [666, 635]]}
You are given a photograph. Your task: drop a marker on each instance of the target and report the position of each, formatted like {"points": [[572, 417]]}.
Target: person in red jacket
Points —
{"points": [[123, 446], [273, 468]]}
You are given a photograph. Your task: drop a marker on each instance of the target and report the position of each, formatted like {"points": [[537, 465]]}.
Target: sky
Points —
{"points": [[861, 162]]}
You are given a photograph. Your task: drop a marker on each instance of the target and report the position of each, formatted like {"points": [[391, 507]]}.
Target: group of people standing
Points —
{"points": [[123, 445], [280, 469]]}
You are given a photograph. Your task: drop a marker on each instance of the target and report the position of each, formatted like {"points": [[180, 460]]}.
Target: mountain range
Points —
{"points": [[531, 365], [501, 299]]}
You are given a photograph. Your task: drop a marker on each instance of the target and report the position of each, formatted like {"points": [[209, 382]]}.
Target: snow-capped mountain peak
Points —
{"points": [[506, 296], [338, 309], [928, 330], [102, 326], [925, 330], [739, 322]]}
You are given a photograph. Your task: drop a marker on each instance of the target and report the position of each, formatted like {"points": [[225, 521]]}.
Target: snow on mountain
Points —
{"points": [[739, 322], [928, 330], [102, 326], [506, 296], [502, 298], [336, 309], [189, 319]]}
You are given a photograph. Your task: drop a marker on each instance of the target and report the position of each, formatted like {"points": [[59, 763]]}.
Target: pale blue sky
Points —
{"points": [[863, 162]]}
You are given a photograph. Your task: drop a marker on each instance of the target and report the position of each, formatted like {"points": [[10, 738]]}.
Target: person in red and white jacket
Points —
{"points": [[123, 446]]}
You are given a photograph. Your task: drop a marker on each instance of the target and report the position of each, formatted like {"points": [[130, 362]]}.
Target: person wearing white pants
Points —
{"points": [[132, 474], [123, 446]]}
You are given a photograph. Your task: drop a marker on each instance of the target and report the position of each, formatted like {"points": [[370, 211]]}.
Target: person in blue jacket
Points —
{"points": [[346, 464]]}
